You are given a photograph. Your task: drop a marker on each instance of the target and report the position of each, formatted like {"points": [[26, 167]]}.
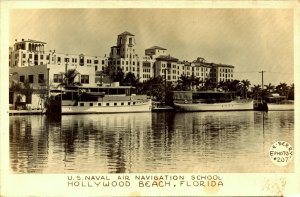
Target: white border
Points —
{"points": [[55, 185]]}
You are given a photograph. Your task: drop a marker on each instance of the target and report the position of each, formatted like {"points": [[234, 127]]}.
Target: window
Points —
{"points": [[41, 78], [122, 103], [96, 61], [107, 104], [96, 67], [29, 99], [85, 79], [128, 103], [91, 104], [58, 59], [30, 56], [24, 55], [133, 103], [30, 78], [103, 62], [48, 57], [99, 104], [115, 104], [22, 78], [66, 59], [126, 62], [57, 78], [81, 104], [11, 97], [42, 57]]}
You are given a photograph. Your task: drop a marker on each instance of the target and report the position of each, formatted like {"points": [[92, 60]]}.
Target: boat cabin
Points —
{"points": [[202, 96], [275, 98]]}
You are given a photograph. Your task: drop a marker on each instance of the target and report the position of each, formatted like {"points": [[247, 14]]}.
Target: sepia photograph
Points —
{"points": [[146, 98]]}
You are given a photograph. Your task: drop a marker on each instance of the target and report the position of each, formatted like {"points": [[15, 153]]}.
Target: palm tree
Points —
{"points": [[282, 89], [69, 78], [184, 83], [195, 81], [224, 85], [234, 85], [270, 88], [256, 90], [244, 87]]}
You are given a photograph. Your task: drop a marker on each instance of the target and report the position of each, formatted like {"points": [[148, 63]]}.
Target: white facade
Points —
{"points": [[30, 62]]}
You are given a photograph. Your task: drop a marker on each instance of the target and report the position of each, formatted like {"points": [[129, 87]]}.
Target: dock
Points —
{"points": [[26, 112]]}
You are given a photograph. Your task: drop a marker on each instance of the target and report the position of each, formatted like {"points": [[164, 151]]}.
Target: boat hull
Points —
{"points": [[280, 107], [139, 107], [228, 106]]}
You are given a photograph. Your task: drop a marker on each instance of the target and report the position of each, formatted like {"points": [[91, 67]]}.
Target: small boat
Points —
{"points": [[102, 99], [279, 103], [159, 107], [210, 101]]}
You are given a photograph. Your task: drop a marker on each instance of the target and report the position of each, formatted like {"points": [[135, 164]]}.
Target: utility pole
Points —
{"points": [[262, 78], [165, 85]]}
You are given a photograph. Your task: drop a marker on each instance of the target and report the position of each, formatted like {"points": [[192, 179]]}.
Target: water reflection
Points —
{"points": [[149, 142]]}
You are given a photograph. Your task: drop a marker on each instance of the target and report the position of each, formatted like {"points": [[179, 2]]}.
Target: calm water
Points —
{"points": [[149, 142]]}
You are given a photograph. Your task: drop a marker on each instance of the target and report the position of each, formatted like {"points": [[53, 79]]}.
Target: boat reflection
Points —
{"points": [[147, 142]]}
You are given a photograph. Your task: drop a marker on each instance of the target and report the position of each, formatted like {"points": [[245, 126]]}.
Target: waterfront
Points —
{"points": [[149, 142]]}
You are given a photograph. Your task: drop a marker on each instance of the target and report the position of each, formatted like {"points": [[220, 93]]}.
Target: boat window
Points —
{"points": [[134, 103], [121, 91], [128, 103], [113, 91], [91, 104], [115, 104], [99, 104], [122, 103], [81, 104], [107, 104]]}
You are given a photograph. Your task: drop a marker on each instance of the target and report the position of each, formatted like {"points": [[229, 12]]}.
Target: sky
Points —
{"points": [[249, 39]]}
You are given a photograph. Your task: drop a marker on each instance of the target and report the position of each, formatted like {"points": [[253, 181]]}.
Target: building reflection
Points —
{"points": [[28, 140], [145, 142], [117, 136]]}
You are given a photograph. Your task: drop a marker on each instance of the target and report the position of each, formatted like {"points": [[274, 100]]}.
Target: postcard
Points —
{"points": [[154, 98]]}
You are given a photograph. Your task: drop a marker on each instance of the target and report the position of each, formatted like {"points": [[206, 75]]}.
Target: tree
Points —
{"points": [[224, 85], [69, 78], [183, 83], [117, 75], [208, 85], [234, 85], [195, 81], [27, 90], [155, 87], [270, 88], [282, 89], [130, 79], [291, 92], [256, 91], [244, 87]]}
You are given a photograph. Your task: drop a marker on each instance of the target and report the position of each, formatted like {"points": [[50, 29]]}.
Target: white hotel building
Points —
{"points": [[29, 61]]}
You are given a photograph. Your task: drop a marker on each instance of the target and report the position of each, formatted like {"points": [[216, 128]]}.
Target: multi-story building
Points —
{"points": [[30, 62], [124, 55]]}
